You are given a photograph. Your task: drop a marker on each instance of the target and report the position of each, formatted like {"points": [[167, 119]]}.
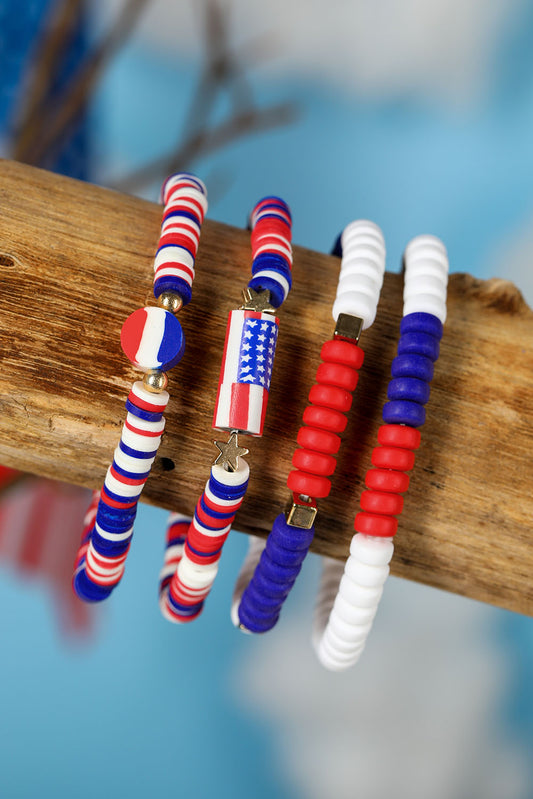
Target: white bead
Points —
{"points": [[352, 614], [113, 536], [426, 284], [123, 489], [143, 424], [342, 628], [358, 634], [210, 532], [357, 305], [285, 250], [160, 399], [364, 575], [174, 223], [425, 303], [173, 255], [363, 283], [363, 227], [359, 595], [425, 243], [131, 464], [373, 550], [362, 266], [278, 277], [195, 576], [236, 478], [425, 268], [140, 442]]}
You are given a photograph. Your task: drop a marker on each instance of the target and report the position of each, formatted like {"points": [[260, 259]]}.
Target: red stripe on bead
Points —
{"points": [[144, 405], [141, 432]]}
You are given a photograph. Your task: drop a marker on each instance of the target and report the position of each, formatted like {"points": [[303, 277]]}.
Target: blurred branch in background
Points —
{"points": [[45, 121], [45, 124]]}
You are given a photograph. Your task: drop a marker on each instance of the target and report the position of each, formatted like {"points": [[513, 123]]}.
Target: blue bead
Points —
{"points": [[136, 453], [265, 604], [404, 412], [175, 284], [202, 554], [115, 525], [227, 492], [213, 513], [419, 344], [408, 388], [411, 365], [140, 413], [277, 294], [250, 622], [286, 557], [130, 475], [422, 323], [274, 261], [120, 497], [269, 588], [290, 537], [189, 249], [337, 247], [87, 590], [285, 575], [112, 549], [185, 214], [184, 610], [276, 202]]}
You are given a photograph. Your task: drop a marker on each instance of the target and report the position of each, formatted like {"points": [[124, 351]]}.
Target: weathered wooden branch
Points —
{"points": [[75, 260]]}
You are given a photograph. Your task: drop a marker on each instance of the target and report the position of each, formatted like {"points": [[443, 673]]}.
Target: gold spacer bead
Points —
{"points": [[170, 301], [155, 381]]}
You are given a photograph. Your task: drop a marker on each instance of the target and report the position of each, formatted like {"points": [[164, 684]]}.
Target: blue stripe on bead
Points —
{"points": [[87, 590], [404, 412], [408, 388], [419, 344], [213, 513], [120, 497], [277, 292], [115, 525], [274, 200], [130, 475], [136, 453], [412, 365], [140, 413], [204, 554], [189, 249], [204, 524], [184, 610], [422, 323], [188, 175], [285, 557], [272, 260], [185, 214], [175, 284], [172, 345], [254, 622], [174, 542], [223, 491]]}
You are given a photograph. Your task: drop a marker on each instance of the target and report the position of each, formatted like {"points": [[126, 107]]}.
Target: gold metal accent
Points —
{"points": [[244, 629], [349, 327], [302, 513], [170, 301], [155, 381], [257, 301], [230, 452]]}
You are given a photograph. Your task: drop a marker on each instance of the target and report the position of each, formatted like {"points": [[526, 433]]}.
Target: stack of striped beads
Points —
{"points": [[153, 340], [351, 604], [358, 291], [191, 565]]}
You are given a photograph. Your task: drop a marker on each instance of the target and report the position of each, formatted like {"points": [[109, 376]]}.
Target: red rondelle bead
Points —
{"points": [[382, 502], [345, 352], [374, 524], [325, 418], [393, 458], [336, 374], [387, 480], [310, 485], [314, 462], [399, 435], [319, 440], [331, 397]]}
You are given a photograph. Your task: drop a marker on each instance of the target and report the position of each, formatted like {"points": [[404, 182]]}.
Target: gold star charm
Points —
{"points": [[257, 301], [230, 452]]}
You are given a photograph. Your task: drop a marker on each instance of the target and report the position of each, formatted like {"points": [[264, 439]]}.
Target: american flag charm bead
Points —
{"points": [[246, 372]]}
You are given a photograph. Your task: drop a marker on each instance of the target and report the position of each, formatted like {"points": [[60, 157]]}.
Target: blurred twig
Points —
{"points": [[61, 114]]}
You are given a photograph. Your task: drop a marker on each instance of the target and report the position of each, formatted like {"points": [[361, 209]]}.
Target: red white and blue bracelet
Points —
{"points": [[153, 340], [345, 610], [194, 546], [270, 570]]}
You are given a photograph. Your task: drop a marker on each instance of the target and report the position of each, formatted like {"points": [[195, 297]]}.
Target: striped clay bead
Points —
{"points": [[188, 585], [340, 642], [361, 277], [271, 223], [153, 340]]}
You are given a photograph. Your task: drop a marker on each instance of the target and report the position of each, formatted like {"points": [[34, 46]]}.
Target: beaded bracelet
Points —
{"points": [[351, 604], [277, 564], [153, 340], [191, 559]]}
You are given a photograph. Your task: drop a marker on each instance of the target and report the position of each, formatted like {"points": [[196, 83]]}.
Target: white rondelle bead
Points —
{"points": [[426, 303], [357, 305], [364, 575], [359, 595], [373, 550]]}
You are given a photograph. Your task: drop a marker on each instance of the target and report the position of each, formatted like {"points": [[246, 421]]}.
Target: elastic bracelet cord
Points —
{"points": [[345, 610], [153, 340], [257, 604], [191, 566]]}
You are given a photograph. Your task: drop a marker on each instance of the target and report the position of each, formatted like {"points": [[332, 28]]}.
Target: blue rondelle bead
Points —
{"points": [[412, 365], [227, 492], [87, 590], [185, 214], [286, 557], [290, 537], [404, 412], [277, 294], [112, 549], [174, 284], [419, 344], [275, 202], [275, 571], [269, 588], [421, 323], [140, 413], [137, 453], [408, 388], [273, 261], [256, 626], [266, 605]]}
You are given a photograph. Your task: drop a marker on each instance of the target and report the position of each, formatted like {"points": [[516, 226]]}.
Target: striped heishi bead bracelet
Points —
{"points": [[257, 602], [240, 408], [153, 341], [345, 610]]}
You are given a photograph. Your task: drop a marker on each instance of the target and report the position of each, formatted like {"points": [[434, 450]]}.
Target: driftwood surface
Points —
{"points": [[76, 259]]}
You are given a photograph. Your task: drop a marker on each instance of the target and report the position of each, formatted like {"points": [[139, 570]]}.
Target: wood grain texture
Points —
{"points": [[76, 259]]}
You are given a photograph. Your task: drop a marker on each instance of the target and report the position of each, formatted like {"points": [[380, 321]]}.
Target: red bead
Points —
{"points": [[336, 374], [314, 462], [387, 480], [345, 352], [399, 435], [310, 485], [381, 502], [374, 524], [393, 458], [331, 397], [319, 440], [325, 418]]}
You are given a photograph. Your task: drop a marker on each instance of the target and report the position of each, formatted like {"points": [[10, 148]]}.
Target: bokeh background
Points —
{"points": [[418, 115]]}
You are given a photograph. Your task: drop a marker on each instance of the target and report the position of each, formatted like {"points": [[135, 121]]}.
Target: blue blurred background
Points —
{"points": [[420, 117]]}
